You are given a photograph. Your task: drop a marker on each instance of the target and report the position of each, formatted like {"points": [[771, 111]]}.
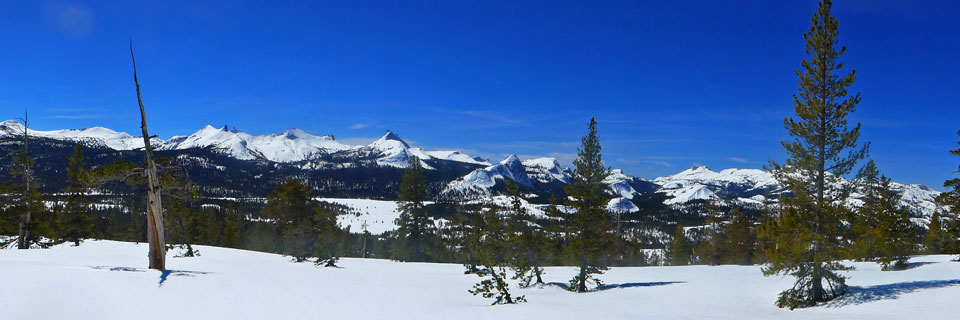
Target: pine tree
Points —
{"points": [[73, 220], [589, 225], [232, 229], [526, 241], [679, 251], [291, 208], [414, 225], [182, 218], [950, 200], [35, 221], [882, 229], [741, 239], [936, 238], [712, 250], [823, 150], [491, 252]]}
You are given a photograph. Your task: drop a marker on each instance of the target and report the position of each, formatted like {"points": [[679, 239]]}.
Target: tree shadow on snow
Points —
{"points": [[860, 295], [635, 284], [911, 265], [605, 287], [163, 273], [177, 273]]}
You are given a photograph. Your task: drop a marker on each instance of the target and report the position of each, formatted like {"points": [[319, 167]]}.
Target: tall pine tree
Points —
{"points": [[950, 201], [414, 225], [589, 237], [73, 220], [823, 150], [882, 230]]}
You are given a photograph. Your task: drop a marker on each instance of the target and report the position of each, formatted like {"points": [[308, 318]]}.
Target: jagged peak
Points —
{"points": [[389, 135], [511, 159]]}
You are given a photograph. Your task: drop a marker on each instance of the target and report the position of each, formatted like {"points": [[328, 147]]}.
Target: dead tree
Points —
{"points": [[158, 247], [25, 161]]}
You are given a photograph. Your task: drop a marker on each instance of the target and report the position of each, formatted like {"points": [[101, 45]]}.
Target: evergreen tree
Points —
{"points": [[950, 200], [491, 253], [823, 150], [414, 225], [526, 240], [882, 228], [741, 239], [713, 249], [232, 229], [936, 238], [679, 251], [35, 220], [73, 220], [292, 208], [589, 237], [182, 218]]}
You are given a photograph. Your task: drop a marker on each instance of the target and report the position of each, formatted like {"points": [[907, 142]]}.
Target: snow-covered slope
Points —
{"points": [[752, 186], [109, 280], [377, 215], [524, 173], [293, 145], [97, 136], [289, 146], [702, 183]]}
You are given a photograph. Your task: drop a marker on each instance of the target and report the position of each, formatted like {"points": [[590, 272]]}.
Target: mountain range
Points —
{"points": [[227, 161]]}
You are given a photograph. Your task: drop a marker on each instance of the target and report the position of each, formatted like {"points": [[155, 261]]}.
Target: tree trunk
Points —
{"points": [[158, 248], [24, 232]]}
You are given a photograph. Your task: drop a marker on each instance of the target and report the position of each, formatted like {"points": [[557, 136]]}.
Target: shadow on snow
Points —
{"points": [[163, 273], [860, 295], [565, 286]]}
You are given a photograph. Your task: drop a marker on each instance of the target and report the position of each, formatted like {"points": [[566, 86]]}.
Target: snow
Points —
{"points": [[293, 145], [702, 183], [379, 215], [619, 185], [98, 136], [289, 146], [542, 170], [109, 280], [545, 170]]}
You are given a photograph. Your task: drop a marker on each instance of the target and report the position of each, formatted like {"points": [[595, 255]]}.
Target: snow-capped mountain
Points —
{"points": [[753, 186], [96, 136], [527, 173], [294, 145], [290, 146], [392, 151], [298, 153], [700, 182]]}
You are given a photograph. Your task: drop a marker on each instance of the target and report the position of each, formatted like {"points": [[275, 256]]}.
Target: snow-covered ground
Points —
{"points": [[379, 215], [109, 280]]}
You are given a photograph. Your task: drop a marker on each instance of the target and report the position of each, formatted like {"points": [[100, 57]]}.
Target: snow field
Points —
{"points": [[62, 282]]}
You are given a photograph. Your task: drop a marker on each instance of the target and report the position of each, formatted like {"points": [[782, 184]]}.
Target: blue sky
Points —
{"points": [[672, 83]]}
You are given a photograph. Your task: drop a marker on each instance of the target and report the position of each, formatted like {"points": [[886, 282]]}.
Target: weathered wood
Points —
{"points": [[158, 247], [24, 232]]}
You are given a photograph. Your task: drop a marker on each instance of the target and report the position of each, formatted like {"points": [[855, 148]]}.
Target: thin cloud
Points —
{"points": [[738, 159], [359, 126], [492, 119], [660, 163], [73, 20]]}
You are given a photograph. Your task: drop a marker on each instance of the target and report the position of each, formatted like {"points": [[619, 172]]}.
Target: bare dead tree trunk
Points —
{"points": [[158, 248], [24, 233]]}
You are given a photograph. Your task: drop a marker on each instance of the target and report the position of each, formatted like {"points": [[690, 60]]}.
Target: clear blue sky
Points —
{"points": [[672, 83]]}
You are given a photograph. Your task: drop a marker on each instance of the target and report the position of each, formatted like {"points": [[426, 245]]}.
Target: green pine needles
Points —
{"points": [[589, 238], [807, 229]]}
